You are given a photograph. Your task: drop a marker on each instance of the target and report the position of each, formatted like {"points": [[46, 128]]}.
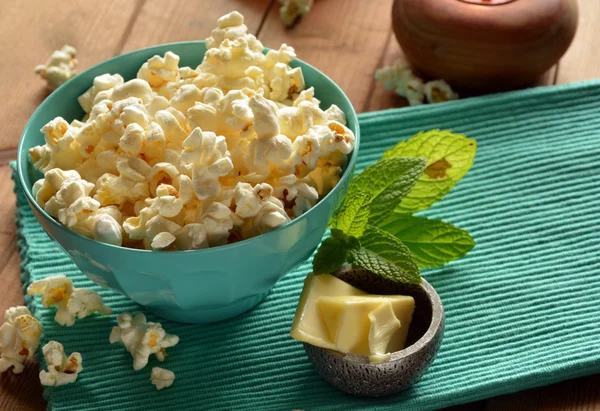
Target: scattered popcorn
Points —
{"points": [[59, 68], [438, 91], [291, 10], [19, 338], [61, 369], [400, 78], [162, 378], [182, 158], [142, 338], [57, 291]]}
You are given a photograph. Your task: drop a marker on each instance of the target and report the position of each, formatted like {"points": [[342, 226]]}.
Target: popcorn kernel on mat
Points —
{"points": [[19, 338], [142, 338], [168, 149], [162, 378], [61, 369], [57, 291]]}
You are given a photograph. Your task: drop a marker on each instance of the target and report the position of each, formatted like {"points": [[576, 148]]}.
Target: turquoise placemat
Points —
{"points": [[522, 308]]}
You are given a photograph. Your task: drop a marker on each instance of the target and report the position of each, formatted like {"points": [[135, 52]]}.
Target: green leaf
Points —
{"points": [[386, 256], [333, 252], [433, 243], [353, 216], [387, 181], [450, 156]]}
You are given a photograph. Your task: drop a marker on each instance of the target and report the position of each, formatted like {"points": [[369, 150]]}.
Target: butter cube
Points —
{"points": [[335, 315], [309, 325], [369, 324]]}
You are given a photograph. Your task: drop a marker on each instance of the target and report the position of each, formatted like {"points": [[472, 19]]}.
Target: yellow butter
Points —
{"points": [[333, 314], [309, 325], [369, 324]]}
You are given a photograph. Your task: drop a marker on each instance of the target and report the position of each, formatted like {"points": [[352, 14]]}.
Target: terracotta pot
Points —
{"points": [[484, 44]]}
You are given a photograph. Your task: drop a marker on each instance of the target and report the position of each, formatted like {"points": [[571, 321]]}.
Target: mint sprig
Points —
{"points": [[374, 228]]}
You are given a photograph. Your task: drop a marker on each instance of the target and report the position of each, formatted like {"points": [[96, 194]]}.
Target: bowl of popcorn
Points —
{"points": [[191, 176]]}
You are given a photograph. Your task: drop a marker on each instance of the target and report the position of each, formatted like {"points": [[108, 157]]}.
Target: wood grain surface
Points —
{"points": [[347, 39]]}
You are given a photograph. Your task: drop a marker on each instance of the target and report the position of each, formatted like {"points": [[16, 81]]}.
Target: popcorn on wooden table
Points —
{"points": [[19, 338], [61, 369], [59, 68], [170, 148]]}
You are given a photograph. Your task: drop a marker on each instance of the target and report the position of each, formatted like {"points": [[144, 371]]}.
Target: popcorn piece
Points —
{"points": [[102, 83], [84, 302], [132, 88], [400, 78], [61, 370], [218, 220], [19, 338], [260, 210], [162, 378], [158, 71], [230, 26], [305, 113], [208, 155], [292, 10], [142, 338], [191, 237], [59, 68], [297, 196], [438, 91], [162, 241], [334, 113], [57, 291], [284, 81]]}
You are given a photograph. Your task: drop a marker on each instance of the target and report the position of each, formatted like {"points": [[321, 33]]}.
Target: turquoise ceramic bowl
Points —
{"points": [[197, 286]]}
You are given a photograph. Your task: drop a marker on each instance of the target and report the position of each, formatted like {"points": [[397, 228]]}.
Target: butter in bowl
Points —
{"points": [[368, 344]]}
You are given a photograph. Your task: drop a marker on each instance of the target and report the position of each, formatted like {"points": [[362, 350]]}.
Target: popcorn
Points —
{"points": [[400, 78], [57, 291], [162, 241], [102, 83], [191, 237], [19, 338], [218, 220], [59, 68], [162, 378], [208, 155], [258, 208], [438, 91], [188, 158], [158, 71], [61, 370], [291, 10], [297, 196], [142, 338], [299, 118], [334, 113], [84, 302]]}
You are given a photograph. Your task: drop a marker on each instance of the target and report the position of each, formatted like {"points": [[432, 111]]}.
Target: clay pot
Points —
{"points": [[484, 44]]}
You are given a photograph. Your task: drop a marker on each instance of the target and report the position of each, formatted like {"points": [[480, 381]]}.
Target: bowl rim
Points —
{"points": [[50, 99], [437, 322]]}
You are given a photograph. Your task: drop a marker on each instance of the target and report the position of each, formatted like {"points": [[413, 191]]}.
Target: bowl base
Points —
{"points": [[212, 314]]}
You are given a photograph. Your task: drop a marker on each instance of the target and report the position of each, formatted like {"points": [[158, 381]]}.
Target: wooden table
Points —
{"points": [[347, 39]]}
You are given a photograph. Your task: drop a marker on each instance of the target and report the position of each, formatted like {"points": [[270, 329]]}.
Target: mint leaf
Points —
{"points": [[333, 252], [353, 216], [450, 156], [387, 181], [433, 243], [386, 256]]}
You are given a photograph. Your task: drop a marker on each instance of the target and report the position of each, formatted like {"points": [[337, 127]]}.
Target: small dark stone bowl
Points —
{"points": [[355, 375]]}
